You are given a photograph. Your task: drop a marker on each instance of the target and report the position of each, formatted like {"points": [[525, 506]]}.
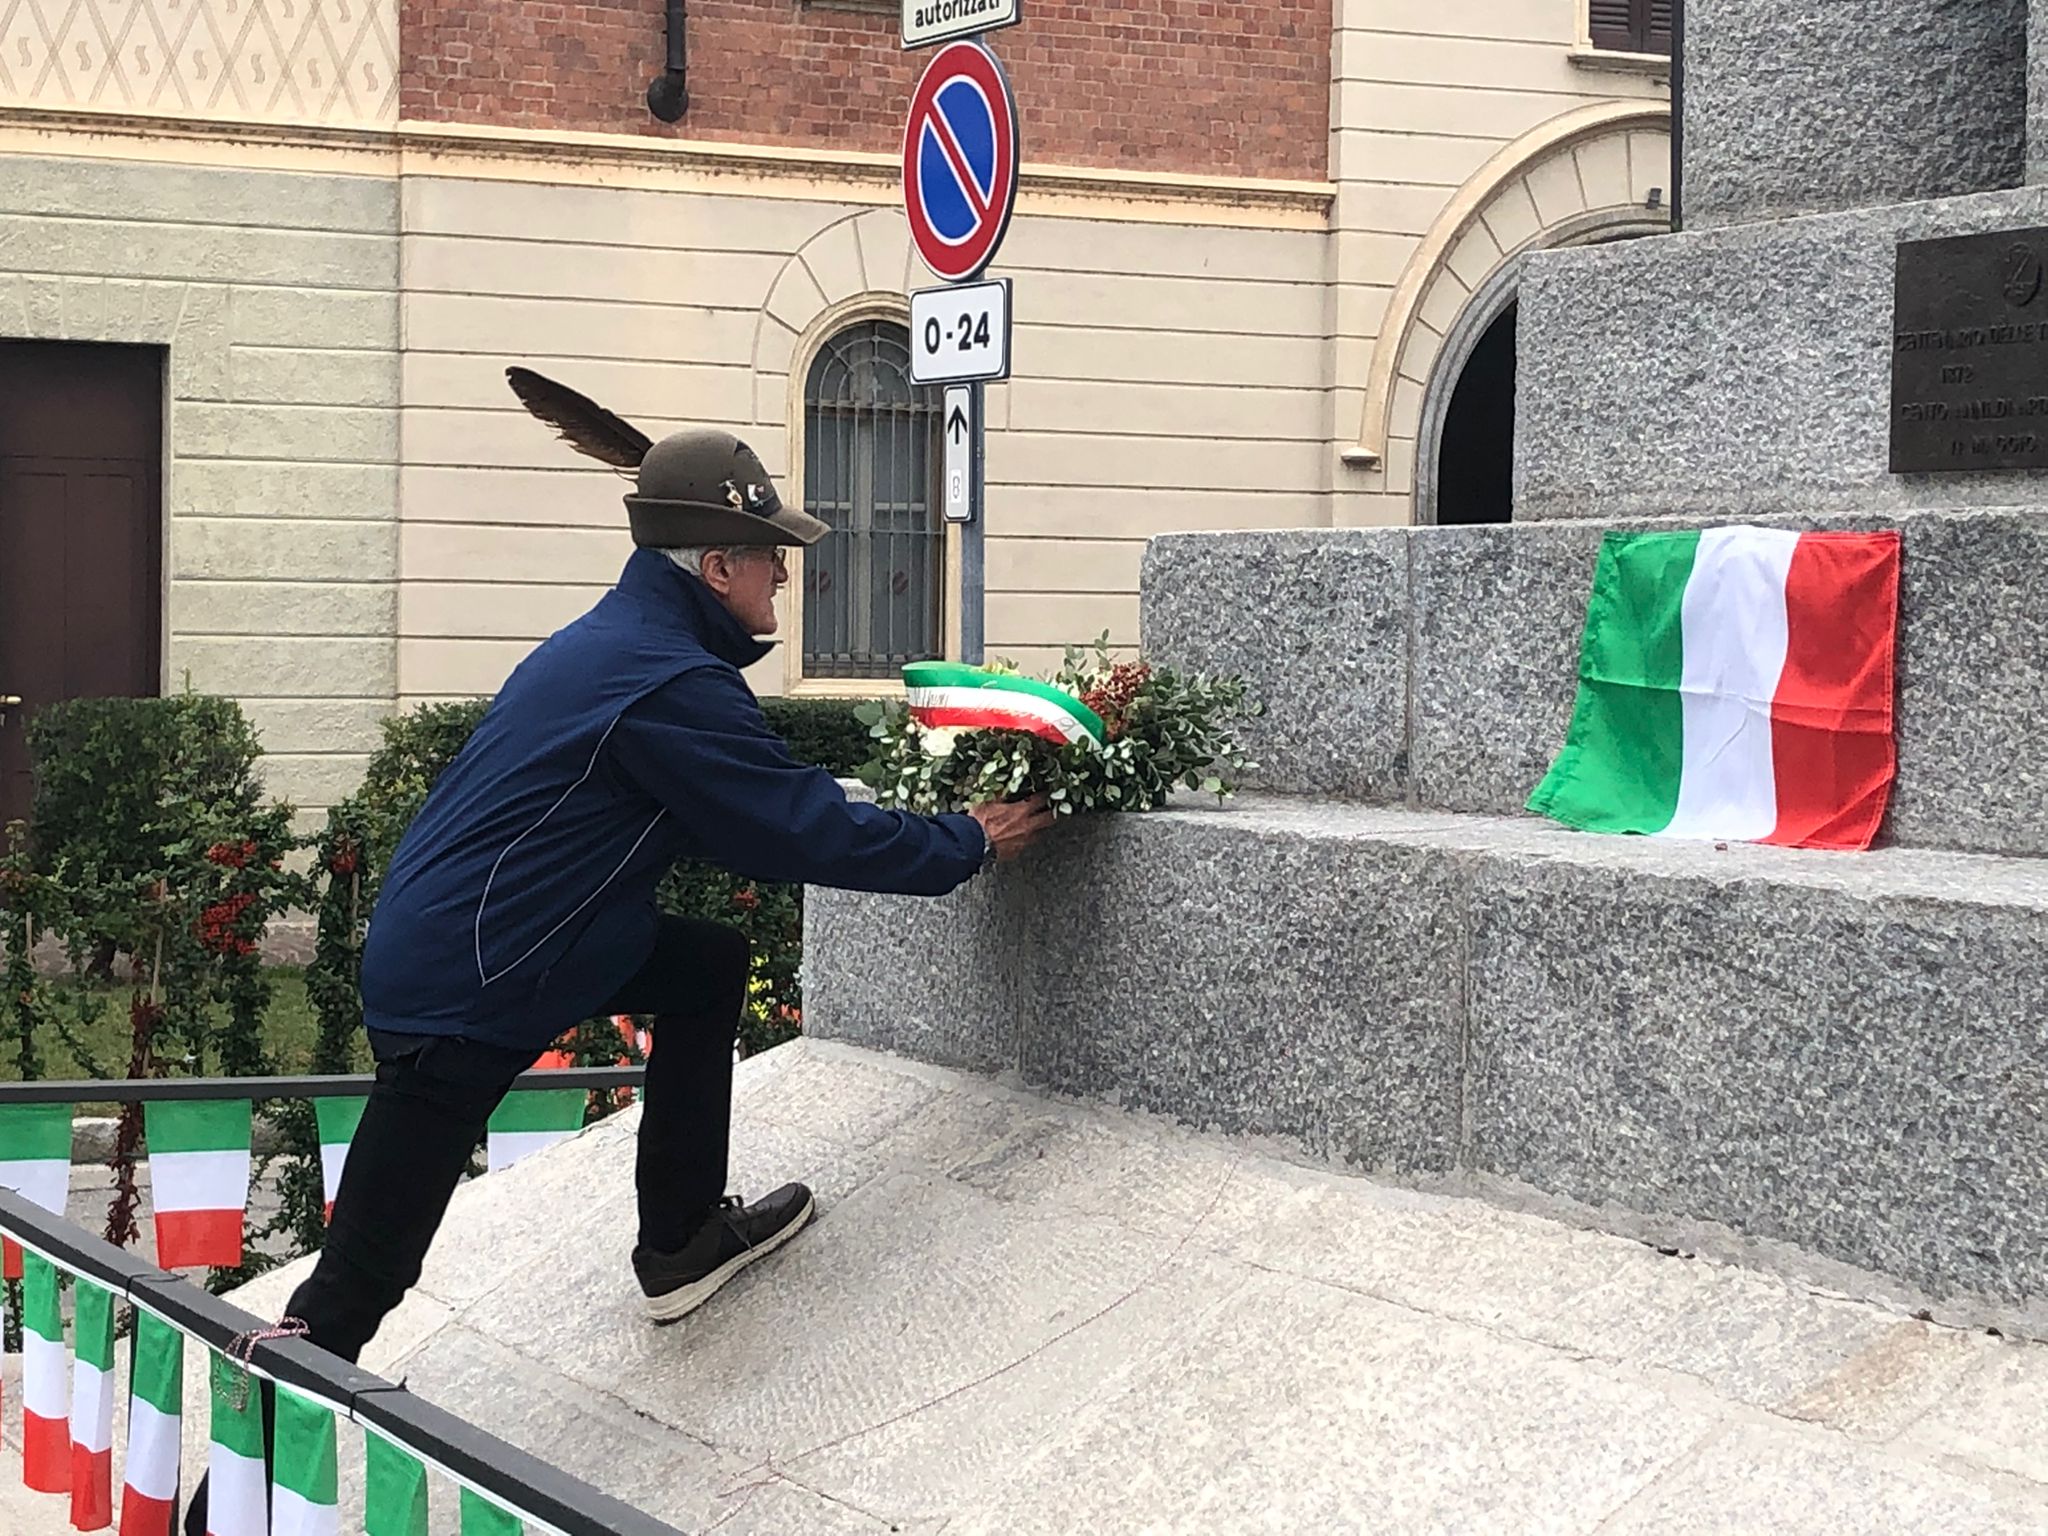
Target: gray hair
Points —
{"points": [[691, 557]]}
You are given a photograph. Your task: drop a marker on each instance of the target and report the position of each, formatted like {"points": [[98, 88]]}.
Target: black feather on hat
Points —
{"points": [[699, 486]]}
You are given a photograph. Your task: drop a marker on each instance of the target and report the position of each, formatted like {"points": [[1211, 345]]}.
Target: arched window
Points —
{"points": [[871, 587]]}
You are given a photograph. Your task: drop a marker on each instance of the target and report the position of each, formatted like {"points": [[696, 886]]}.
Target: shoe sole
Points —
{"points": [[679, 1303]]}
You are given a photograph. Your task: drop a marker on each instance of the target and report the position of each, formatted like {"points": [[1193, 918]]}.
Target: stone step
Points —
{"points": [[1436, 667], [1843, 1054]]}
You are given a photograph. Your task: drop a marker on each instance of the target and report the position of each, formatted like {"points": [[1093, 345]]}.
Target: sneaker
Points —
{"points": [[732, 1237]]}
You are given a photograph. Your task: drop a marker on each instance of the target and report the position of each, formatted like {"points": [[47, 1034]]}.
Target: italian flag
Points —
{"points": [[35, 1162], [338, 1119], [1734, 684], [45, 1395], [944, 693], [480, 1517], [306, 1500], [199, 1179], [394, 1489], [149, 1499], [92, 1407], [234, 1456]]}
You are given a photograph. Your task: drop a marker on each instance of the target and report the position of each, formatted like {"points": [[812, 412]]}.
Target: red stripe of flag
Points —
{"points": [[46, 1453], [189, 1239], [10, 1259], [1832, 748], [143, 1516], [997, 719], [92, 1489]]}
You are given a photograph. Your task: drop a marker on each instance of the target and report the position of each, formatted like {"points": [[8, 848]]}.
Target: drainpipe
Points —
{"points": [[667, 98], [1677, 116]]}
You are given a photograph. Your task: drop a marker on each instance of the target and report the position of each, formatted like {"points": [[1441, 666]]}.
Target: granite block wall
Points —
{"points": [[1841, 1054], [1733, 371], [1475, 634], [1794, 109], [1246, 971]]}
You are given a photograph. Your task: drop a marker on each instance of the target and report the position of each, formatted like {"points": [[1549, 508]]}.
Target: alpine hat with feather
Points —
{"points": [[696, 487]]}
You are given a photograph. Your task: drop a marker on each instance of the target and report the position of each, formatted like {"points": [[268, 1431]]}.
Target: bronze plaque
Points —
{"points": [[1970, 354]]}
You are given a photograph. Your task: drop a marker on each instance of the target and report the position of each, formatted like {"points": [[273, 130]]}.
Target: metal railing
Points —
{"points": [[159, 1090], [544, 1496]]}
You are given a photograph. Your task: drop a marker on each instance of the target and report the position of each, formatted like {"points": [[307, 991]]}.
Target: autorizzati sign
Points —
{"points": [[940, 21]]}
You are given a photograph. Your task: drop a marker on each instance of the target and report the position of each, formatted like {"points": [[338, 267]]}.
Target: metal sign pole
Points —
{"points": [[973, 551]]}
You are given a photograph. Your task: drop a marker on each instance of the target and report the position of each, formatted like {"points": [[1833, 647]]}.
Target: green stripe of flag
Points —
{"points": [[549, 1109], [306, 1449], [338, 1119], [480, 1517], [159, 1364], [204, 1126], [37, 1133], [92, 1323], [1631, 663], [236, 1429], [395, 1489], [41, 1314]]}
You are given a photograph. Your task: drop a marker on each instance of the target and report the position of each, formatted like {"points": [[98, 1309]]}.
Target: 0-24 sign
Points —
{"points": [[960, 333]]}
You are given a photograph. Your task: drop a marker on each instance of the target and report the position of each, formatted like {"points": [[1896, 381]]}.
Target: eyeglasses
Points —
{"points": [[780, 559]]}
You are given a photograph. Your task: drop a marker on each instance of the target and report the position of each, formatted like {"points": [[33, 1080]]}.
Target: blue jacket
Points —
{"points": [[522, 896]]}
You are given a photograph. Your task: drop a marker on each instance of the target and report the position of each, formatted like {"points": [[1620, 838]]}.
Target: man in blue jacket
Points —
{"points": [[521, 899]]}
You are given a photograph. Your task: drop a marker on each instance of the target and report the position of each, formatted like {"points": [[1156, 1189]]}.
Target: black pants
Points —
{"points": [[433, 1096]]}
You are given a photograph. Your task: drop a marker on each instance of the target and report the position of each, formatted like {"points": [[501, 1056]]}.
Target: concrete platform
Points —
{"points": [[1018, 1315]]}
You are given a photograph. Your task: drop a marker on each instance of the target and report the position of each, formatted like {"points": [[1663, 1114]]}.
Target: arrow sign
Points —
{"points": [[959, 465], [960, 154]]}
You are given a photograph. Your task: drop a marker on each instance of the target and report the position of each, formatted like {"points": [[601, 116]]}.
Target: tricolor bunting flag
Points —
{"points": [[480, 1517], [526, 1123], [199, 1179], [92, 1406], [156, 1403], [394, 1488], [306, 1498], [338, 1119], [35, 1162], [45, 1381], [235, 1495], [945, 693], [1735, 684]]}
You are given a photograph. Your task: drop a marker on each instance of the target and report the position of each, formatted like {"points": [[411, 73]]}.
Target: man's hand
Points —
{"points": [[1014, 825]]}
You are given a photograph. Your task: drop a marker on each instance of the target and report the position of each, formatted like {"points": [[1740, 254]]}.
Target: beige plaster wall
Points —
{"points": [[1168, 376], [274, 295], [1434, 101]]}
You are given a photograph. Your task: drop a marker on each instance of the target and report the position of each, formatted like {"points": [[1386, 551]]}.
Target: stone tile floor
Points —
{"points": [[1021, 1316]]}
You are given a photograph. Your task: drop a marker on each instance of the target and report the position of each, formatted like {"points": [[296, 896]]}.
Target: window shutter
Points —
{"points": [[1614, 24], [1631, 26], [1659, 39]]}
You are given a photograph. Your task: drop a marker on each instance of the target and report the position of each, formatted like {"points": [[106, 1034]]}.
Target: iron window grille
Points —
{"points": [[872, 588]]}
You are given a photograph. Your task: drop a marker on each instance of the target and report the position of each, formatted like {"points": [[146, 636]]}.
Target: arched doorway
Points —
{"points": [[1465, 448], [1436, 429], [1475, 481]]}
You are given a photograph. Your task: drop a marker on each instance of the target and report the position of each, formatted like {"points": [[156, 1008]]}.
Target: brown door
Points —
{"points": [[81, 533]]}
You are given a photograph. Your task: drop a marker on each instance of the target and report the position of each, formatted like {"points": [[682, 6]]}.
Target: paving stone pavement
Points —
{"points": [[1016, 1315]]}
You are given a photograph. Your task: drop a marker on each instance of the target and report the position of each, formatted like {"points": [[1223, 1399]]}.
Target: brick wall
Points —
{"points": [[1229, 87]]}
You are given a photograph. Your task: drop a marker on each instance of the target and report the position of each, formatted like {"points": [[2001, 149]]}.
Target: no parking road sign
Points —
{"points": [[960, 152]]}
